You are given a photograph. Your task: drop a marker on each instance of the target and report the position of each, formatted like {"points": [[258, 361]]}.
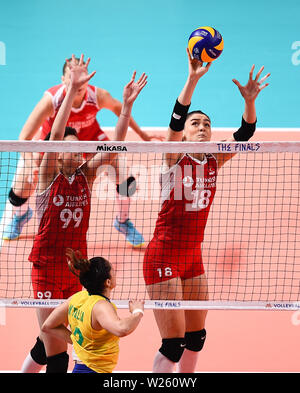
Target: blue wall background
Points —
{"points": [[151, 36]]}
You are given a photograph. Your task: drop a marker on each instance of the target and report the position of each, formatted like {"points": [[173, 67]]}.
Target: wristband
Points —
{"points": [[178, 116], [245, 132], [136, 310]]}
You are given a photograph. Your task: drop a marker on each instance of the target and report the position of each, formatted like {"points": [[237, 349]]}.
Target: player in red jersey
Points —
{"points": [[88, 101], [63, 208], [173, 266]]}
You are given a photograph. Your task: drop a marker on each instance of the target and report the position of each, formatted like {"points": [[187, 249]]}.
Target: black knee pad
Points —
{"points": [[15, 200], [195, 340], [38, 352], [58, 363], [172, 348], [128, 187]]}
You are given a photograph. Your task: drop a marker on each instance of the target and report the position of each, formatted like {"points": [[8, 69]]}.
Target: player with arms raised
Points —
{"points": [[63, 208], [173, 267], [87, 103]]}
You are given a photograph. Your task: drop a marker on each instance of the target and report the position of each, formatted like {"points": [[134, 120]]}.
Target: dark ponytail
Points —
{"points": [[92, 272]]}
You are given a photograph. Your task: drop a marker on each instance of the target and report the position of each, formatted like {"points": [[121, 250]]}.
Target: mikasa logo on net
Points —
{"points": [[111, 148]]}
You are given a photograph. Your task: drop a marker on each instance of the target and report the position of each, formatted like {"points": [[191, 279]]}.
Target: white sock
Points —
{"points": [[30, 366], [123, 207], [162, 364], [188, 361]]}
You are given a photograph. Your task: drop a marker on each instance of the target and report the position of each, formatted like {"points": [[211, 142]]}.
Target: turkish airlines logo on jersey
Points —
{"points": [[187, 181], [58, 200]]}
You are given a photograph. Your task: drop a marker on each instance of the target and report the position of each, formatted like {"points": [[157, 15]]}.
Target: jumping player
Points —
{"points": [[173, 266], [95, 327], [62, 178], [88, 101]]}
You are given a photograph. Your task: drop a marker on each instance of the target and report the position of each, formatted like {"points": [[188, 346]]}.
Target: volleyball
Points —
{"points": [[205, 44]]}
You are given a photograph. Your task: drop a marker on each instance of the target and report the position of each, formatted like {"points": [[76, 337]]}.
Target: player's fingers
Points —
{"points": [[133, 75], [87, 62], [189, 54], [251, 72], [142, 77], [237, 83], [91, 75], [263, 86], [81, 60], [68, 63], [130, 82], [259, 73], [143, 80], [142, 85], [264, 78]]}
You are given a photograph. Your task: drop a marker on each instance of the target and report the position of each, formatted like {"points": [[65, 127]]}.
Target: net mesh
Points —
{"points": [[251, 246]]}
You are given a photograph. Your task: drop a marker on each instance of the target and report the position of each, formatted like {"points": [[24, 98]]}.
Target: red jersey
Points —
{"points": [[63, 212], [187, 191], [83, 119]]}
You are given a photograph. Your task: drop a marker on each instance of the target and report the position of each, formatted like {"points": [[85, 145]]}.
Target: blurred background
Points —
{"points": [[151, 36]]}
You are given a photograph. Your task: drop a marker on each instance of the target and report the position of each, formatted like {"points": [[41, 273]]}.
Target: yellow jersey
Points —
{"points": [[97, 349]]}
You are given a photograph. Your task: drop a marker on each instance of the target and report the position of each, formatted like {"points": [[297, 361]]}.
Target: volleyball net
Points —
{"points": [[251, 246]]}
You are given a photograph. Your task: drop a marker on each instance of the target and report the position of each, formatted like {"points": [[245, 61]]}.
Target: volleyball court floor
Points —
{"points": [[237, 341]]}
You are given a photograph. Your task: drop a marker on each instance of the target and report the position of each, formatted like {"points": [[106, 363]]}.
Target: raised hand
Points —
{"points": [[133, 89], [136, 304], [196, 67], [254, 86], [79, 72]]}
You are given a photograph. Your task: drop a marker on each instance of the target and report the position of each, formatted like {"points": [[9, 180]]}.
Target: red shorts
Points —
{"points": [[53, 281], [163, 261], [94, 133]]}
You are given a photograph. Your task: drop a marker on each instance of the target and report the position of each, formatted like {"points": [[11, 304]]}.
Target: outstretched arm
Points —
{"points": [[105, 100], [196, 71], [79, 76], [249, 92], [130, 93], [176, 126]]}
